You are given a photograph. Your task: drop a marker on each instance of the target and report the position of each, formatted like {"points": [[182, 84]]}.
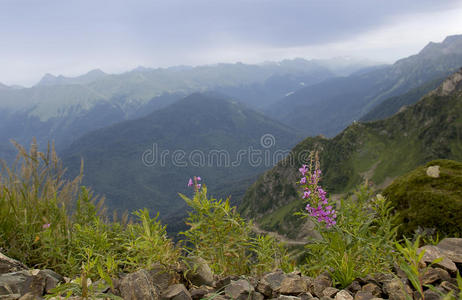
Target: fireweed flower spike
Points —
{"points": [[303, 170], [197, 186], [318, 206]]}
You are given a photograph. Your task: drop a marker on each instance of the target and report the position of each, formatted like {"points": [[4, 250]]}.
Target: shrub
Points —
{"points": [[48, 221], [219, 235], [357, 238]]}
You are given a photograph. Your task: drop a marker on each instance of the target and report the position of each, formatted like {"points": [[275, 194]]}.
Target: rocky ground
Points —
{"points": [[181, 283]]}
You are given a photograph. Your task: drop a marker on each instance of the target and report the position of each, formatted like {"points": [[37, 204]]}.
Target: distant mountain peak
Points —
{"points": [[47, 79], [96, 72], [453, 39], [3, 86], [452, 84], [451, 44]]}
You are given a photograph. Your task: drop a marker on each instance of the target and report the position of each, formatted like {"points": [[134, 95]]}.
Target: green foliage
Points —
{"points": [[379, 151], [50, 222], [147, 243], [219, 235], [410, 262], [360, 243], [422, 201]]}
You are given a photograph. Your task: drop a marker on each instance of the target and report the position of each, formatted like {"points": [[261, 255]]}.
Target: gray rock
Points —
{"points": [[319, 284], [306, 296], [52, 279], [138, 285], [373, 288], [286, 297], [354, 287], [199, 272], [223, 282], [238, 289], [396, 289], [448, 286], [435, 275], [10, 297], [176, 292], [452, 249], [22, 282], [30, 296], [9, 265], [161, 277], [431, 295], [215, 296], [270, 283], [199, 292], [362, 295], [432, 253], [293, 285], [343, 295], [330, 292]]}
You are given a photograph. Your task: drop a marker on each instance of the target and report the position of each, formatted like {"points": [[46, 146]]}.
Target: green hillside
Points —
{"points": [[429, 200], [379, 151]]}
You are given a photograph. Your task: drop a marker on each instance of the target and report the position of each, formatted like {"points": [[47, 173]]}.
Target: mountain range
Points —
{"points": [[62, 108], [113, 121], [328, 107], [376, 151]]}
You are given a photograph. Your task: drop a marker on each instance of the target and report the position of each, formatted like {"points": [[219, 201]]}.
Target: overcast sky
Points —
{"points": [[71, 37]]}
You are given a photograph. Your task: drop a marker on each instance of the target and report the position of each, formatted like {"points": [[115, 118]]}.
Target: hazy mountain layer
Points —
{"points": [[328, 107], [146, 162]]}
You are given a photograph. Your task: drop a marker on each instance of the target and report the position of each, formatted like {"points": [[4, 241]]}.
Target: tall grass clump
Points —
{"points": [[49, 221], [358, 233]]}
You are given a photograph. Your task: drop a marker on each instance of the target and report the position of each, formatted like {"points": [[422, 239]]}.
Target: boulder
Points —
{"points": [[138, 285], [396, 289], [223, 282], [319, 284], [161, 277], [285, 297], [22, 282], [52, 279], [9, 265], [452, 249], [293, 285], [200, 292], [343, 295], [330, 292], [240, 289], [363, 295], [432, 253], [431, 295], [176, 292], [373, 288], [270, 283], [199, 272]]}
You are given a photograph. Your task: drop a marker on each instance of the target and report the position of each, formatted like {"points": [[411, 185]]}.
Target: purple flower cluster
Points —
{"points": [[195, 183], [318, 204]]}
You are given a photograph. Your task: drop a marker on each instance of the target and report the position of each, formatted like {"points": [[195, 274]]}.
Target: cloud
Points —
{"points": [[71, 37]]}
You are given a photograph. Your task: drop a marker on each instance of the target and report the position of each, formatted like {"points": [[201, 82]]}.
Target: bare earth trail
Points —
{"points": [[277, 236]]}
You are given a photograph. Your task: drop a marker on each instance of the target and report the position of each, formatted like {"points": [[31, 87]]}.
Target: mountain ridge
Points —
{"points": [[328, 107], [379, 151], [200, 123]]}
